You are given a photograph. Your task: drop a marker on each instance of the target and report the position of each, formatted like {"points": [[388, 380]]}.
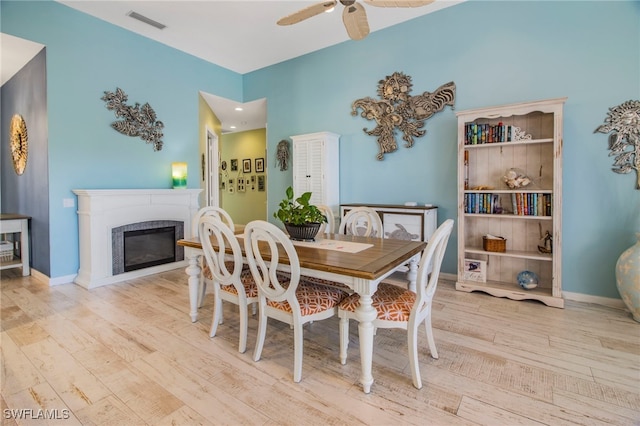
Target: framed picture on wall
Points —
{"points": [[260, 183], [259, 165], [246, 165]]}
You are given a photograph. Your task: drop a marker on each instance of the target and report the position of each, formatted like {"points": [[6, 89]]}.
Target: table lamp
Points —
{"points": [[179, 175]]}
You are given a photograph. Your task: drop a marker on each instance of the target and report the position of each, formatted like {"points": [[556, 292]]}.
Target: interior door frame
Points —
{"points": [[212, 161]]}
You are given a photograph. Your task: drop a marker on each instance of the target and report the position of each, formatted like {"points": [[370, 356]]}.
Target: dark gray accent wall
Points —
{"points": [[28, 194]]}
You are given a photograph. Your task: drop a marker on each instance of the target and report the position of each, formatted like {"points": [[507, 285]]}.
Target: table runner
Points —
{"points": [[326, 244]]}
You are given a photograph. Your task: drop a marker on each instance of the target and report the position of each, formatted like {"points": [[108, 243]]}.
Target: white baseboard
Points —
{"points": [[67, 279], [598, 300], [577, 297]]}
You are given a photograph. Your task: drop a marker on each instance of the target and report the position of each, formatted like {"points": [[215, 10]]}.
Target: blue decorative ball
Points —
{"points": [[527, 280]]}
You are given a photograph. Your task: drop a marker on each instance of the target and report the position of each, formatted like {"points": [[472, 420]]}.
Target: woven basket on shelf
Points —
{"points": [[494, 244], [6, 251]]}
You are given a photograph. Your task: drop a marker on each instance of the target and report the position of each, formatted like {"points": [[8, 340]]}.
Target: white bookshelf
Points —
{"points": [[486, 204]]}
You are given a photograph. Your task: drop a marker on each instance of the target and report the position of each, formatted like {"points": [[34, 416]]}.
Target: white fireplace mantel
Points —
{"points": [[101, 210]]}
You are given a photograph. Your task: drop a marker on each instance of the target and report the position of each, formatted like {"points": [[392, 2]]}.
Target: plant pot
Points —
{"points": [[628, 278], [306, 232]]}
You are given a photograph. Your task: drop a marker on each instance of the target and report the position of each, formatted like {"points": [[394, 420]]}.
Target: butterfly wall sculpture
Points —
{"points": [[135, 120], [396, 109]]}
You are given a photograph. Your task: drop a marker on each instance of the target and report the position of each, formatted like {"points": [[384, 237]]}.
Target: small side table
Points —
{"points": [[12, 224]]}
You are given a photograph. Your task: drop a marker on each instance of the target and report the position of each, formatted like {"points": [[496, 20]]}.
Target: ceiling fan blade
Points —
{"points": [[307, 12], [398, 3], [355, 21]]}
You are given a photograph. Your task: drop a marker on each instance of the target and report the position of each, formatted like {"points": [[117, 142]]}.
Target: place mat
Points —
{"points": [[325, 244]]}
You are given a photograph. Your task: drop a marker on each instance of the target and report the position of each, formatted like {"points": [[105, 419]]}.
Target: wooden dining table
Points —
{"points": [[362, 271]]}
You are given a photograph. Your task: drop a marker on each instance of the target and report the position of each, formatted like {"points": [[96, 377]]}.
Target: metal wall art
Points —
{"points": [[282, 154], [397, 109], [136, 120], [624, 121]]}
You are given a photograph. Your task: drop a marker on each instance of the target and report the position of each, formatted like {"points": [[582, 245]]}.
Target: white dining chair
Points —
{"points": [[362, 221], [397, 307], [329, 227], [231, 282], [205, 275], [283, 296]]}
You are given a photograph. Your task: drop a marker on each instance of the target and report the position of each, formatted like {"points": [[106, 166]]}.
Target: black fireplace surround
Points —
{"points": [[146, 244]]}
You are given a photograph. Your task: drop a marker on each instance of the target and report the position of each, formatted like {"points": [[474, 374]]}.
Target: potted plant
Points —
{"points": [[301, 219]]}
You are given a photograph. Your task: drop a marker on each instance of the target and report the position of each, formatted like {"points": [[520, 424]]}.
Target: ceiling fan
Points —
{"points": [[354, 15]]}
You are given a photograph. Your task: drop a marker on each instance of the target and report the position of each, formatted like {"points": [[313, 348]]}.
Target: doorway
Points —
{"points": [[210, 169]]}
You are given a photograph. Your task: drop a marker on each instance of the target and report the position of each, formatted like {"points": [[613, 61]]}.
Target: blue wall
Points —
{"points": [[495, 52], [85, 57]]}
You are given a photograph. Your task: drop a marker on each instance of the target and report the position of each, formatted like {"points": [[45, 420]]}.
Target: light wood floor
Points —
{"points": [[127, 354]]}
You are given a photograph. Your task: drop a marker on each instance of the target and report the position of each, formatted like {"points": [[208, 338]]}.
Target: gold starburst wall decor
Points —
{"points": [[398, 110], [624, 143], [19, 144]]}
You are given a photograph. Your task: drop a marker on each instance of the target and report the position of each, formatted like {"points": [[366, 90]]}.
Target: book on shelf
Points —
{"points": [[482, 133], [531, 204], [482, 203]]}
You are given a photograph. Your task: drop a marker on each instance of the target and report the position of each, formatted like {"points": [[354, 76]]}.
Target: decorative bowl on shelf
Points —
{"points": [[527, 280], [516, 178]]}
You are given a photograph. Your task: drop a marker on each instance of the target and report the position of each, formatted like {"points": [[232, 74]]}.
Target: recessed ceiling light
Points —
{"points": [[238, 108], [232, 127], [331, 9]]}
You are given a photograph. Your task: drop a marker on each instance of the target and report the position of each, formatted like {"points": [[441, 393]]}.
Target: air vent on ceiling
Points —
{"points": [[148, 21]]}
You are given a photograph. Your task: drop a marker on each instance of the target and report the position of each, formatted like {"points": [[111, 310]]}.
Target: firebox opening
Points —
{"points": [[146, 244], [149, 247]]}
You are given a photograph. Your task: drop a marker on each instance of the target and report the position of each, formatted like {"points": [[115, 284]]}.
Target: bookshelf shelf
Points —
{"points": [[505, 289], [523, 216], [508, 216], [502, 144], [534, 255]]}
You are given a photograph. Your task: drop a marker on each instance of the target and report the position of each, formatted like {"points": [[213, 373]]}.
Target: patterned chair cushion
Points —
{"points": [[250, 287], [314, 280], [206, 272], [313, 298], [392, 303]]}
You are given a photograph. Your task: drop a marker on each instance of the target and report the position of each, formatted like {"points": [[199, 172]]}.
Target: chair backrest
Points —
{"points": [[216, 237], [211, 211], [329, 227], [430, 262], [265, 247], [363, 221]]}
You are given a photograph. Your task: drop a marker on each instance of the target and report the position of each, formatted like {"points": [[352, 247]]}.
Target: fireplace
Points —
{"points": [[146, 244], [151, 247], [105, 216]]}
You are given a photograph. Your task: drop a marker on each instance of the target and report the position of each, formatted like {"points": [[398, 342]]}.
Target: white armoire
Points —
{"points": [[316, 168]]}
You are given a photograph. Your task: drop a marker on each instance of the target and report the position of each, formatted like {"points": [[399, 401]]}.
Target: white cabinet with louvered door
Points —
{"points": [[316, 168]]}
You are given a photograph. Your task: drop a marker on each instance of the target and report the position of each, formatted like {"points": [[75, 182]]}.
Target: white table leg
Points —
{"points": [[412, 274], [365, 313], [24, 247], [193, 270]]}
